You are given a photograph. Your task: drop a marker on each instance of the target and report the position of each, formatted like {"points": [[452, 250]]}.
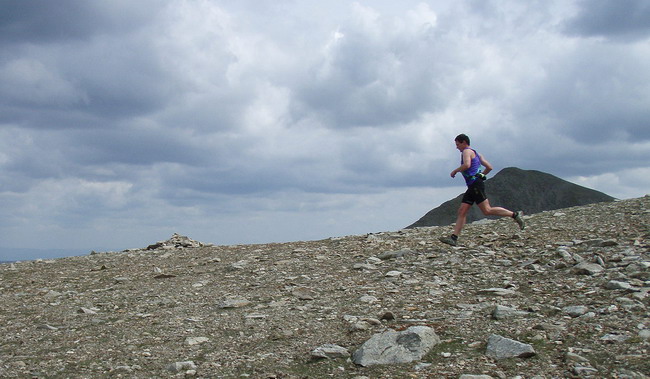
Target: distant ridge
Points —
{"points": [[516, 189], [13, 254]]}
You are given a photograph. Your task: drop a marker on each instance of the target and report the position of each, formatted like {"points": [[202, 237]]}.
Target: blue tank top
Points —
{"points": [[474, 168]]}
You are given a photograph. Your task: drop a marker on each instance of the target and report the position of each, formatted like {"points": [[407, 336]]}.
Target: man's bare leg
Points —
{"points": [[488, 210], [461, 219]]}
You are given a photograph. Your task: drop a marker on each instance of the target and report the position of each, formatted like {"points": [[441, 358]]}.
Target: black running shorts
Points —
{"points": [[475, 193]]}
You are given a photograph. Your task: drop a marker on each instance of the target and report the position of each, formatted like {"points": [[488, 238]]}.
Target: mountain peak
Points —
{"points": [[517, 189]]}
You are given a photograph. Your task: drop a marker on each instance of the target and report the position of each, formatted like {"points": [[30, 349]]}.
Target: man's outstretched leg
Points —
{"points": [[488, 210], [460, 223]]}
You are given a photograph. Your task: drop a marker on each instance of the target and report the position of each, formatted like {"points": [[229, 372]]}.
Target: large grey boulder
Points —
{"points": [[392, 347]]}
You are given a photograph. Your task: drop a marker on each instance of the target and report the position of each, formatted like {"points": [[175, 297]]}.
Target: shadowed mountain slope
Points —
{"points": [[516, 189]]}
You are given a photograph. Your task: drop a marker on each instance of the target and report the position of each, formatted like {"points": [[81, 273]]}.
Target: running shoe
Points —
{"points": [[519, 219], [448, 241]]}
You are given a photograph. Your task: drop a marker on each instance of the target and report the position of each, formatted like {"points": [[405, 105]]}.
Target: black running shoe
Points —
{"points": [[519, 219], [448, 241]]}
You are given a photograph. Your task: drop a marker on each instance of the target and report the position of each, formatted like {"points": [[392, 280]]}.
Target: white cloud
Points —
{"points": [[624, 184]]}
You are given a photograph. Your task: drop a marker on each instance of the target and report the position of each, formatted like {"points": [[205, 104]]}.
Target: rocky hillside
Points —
{"points": [[566, 297], [516, 189]]}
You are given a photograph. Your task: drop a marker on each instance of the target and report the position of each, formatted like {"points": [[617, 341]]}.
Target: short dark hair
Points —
{"points": [[462, 138]]}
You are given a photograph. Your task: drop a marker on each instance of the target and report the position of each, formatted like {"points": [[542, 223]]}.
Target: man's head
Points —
{"points": [[462, 138], [462, 141]]}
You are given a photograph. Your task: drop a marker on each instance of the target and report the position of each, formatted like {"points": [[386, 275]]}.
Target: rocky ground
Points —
{"points": [[572, 287]]}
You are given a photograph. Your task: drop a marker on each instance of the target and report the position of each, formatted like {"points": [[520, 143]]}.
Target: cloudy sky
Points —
{"points": [[122, 122]]}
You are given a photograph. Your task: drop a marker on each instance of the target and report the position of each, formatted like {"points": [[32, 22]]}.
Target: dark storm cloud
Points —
{"points": [[190, 185], [593, 94], [78, 64], [47, 21], [134, 146], [117, 154], [44, 21], [116, 81], [621, 19]]}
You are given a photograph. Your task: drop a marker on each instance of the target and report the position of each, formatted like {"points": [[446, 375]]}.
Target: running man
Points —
{"points": [[470, 167]]}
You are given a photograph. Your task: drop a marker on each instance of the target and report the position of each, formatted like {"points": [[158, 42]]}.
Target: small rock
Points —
{"points": [[52, 294], [644, 334], [303, 293], [584, 371], [393, 274], [565, 254], [422, 366], [234, 303], [501, 312], [368, 299], [240, 265], [88, 311], [330, 351], [592, 242], [395, 254], [586, 268], [613, 338], [575, 310], [122, 369], [496, 292], [359, 326], [609, 243], [180, 366], [617, 285], [256, 316], [164, 276], [573, 357], [371, 321], [196, 340], [20, 365], [499, 347], [364, 266], [47, 327]]}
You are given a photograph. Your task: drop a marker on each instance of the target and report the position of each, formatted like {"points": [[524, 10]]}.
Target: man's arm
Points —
{"points": [[486, 164], [467, 162]]}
